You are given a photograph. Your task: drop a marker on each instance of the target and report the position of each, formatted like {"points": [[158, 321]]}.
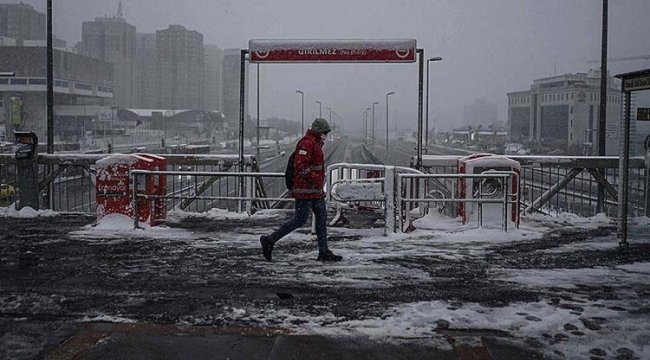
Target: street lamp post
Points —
{"points": [[302, 107], [386, 150], [373, 124], [426, 136], [257, 153], [330, 119], [320, 108], [365, 125]]}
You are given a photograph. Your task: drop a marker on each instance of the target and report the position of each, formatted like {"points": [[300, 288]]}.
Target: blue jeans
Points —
{"points": [[303, 206]]}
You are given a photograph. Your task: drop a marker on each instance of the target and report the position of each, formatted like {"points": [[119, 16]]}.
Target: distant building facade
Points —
{"points": [[481, 112], [230, 85], [212, 77], [180, 67], [145, 74], [561, 112], [112, 39], [80, 83], [22, 22]]}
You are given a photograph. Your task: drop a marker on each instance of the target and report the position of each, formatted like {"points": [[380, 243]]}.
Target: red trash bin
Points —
{"points": [[114, 191], [156, 185]]}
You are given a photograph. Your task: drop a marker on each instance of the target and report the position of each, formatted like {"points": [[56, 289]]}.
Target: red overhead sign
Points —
{"points": [[400, 51]]}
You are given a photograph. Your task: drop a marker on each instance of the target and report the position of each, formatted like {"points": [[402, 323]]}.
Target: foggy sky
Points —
{"points": [[490, 47]]}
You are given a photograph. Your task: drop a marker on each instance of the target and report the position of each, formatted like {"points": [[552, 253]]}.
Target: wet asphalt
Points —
{"points": [[53, 283]]}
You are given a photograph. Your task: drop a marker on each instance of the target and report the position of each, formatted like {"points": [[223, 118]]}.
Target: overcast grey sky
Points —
{"points": [[490, 47]]}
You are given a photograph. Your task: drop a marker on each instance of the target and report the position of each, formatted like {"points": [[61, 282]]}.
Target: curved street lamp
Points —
{"points": [[320, 108], [302, 107], [373, 124], [365, 125], [426, 133], [387, 94]]}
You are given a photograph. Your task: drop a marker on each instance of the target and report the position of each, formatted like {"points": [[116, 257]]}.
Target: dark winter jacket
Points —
{"points": [[309, 171]]}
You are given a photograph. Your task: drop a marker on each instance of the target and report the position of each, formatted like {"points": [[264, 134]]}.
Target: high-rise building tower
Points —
{"points": [[212, 77], [21, 22], [180, 59], [112, 39], [145, 74], [230, 85]]}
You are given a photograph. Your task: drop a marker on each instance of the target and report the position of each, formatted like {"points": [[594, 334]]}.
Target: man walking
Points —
{"points": [[307, 189]]}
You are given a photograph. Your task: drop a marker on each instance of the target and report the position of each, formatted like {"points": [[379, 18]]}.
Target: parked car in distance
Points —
{"points": [[7, 194]]}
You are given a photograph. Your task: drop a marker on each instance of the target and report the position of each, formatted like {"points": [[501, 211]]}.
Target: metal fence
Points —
{"points": [[67, 182], [558, 184], [549, 184], [244, 195], [497, 187], [399, 191]]}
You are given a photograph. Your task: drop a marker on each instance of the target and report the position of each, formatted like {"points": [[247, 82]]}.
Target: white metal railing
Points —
{"points": [[244, 194], [509, 199], [397, 192], [379, 196]]}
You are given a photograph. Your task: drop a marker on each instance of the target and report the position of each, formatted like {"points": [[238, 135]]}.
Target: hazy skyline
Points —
{"points": [[490, 47]]}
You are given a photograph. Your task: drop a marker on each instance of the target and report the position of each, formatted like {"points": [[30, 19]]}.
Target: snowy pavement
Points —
{"points": [[558, 285]]}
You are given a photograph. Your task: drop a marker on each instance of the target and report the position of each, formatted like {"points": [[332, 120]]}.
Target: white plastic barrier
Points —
{"points": [[364, 186], [469, 188]]}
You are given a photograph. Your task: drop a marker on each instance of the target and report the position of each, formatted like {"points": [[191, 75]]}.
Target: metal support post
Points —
{"points": [[389, 196], [242, 104], [602, 115], [420, 53], [625, 170], [50, 82], [647, 176], [250, 194], [50, 103], [257, 153], [134, 200]]}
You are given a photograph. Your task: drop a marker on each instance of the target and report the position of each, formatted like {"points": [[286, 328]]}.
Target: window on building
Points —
{"points": [[37, 81]]}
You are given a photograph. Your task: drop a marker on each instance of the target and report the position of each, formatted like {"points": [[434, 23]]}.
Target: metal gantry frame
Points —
{"points": [[242, 104]]}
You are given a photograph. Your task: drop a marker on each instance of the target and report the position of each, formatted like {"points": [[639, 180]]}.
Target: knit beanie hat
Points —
{"points": [[320, 126]]}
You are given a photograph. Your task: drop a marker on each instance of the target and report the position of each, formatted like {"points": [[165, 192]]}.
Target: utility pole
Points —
{"points": [[602, 114], [50, 82]]}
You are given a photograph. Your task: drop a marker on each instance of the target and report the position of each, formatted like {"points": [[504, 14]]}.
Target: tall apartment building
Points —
{"points": [[561, 112], [145, 74], [212, 77], [22, 22], [230, 86], [180, 67], [112, 39]]}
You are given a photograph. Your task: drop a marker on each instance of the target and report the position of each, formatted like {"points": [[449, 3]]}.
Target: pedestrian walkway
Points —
{"points": [[199, 287]]}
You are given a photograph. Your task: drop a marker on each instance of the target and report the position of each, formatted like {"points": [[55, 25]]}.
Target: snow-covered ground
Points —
{"points": [[580, 311]]}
